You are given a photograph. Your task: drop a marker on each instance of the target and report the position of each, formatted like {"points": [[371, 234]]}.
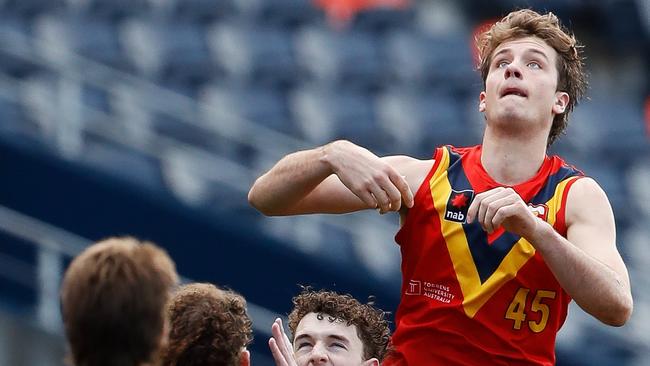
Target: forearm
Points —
{"points": [[290, 180], [597, 288]]}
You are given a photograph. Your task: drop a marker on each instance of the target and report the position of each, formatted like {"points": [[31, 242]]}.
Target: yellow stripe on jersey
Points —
{"points": [[475, 293]]}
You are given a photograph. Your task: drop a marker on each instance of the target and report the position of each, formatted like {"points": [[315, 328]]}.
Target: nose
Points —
{"points": [[512, 70], [318, 355]]}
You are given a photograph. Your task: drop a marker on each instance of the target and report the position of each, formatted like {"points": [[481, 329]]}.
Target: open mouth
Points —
{"points": [[514, 91]]}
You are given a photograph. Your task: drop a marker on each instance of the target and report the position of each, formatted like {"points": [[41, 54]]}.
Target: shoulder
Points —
{"points": [[587, 201]]}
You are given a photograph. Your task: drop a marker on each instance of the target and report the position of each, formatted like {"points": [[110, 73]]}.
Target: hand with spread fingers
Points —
{"points": [[280, 345], [503, 207]]}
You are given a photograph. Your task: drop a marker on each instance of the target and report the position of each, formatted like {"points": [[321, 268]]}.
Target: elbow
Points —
{"points": [[257, 202], [254, 201], [619, 316]]}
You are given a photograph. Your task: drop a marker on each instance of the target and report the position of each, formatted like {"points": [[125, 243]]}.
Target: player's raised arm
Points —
{"points": [[336, 178]]}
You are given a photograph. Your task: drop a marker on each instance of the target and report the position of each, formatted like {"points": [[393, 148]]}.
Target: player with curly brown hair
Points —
{"points": [[208, 327], [499, 237], [331, 329], [113, 301]]}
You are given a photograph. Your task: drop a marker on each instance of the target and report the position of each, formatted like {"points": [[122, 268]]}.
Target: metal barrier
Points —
{"points": [[53, 245]]}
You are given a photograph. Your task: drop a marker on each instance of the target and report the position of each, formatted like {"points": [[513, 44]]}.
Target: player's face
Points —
{"points": [[521, 86], [321, 342]]}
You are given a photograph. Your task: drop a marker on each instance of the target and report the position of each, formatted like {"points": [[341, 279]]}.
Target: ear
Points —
{"points": [[561, 102], [245, 358], [371, 362], [481, 102]]}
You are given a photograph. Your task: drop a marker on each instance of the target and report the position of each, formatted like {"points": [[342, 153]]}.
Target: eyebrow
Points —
{"points": [[300, 337], [528, 50], [330, 336]]}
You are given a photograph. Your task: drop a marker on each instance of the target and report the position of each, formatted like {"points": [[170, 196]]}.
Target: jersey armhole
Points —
{"points": [[423, 189], [560, 221]]}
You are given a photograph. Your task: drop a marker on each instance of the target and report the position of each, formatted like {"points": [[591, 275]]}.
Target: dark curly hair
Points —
{"points": [[208, 326], [572, 78], [371, 323]]}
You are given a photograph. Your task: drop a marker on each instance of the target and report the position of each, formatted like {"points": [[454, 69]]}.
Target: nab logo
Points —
{"points": [[540, 211], [457, 205]]}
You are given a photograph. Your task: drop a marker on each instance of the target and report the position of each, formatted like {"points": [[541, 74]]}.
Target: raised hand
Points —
{"points": [[370, 178], [280, 345]]}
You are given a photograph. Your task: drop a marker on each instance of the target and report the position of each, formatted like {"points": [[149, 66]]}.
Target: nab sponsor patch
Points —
{"points": [[458, 204]]}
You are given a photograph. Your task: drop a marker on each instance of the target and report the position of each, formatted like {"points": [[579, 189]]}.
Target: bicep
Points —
{"points": [[590, 224]]}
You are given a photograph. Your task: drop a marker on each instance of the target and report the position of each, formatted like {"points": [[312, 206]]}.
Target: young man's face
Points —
{"points": [[520, 89], [321, 342]]}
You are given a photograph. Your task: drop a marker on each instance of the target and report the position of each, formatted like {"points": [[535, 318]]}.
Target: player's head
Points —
{"points": [[113, 300], [329, 328], [209, 327], [558, 48]]}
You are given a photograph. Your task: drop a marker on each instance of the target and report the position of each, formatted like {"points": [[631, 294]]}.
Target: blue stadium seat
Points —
{"points": [[418, 122], [432, 62], [288, 13], [263, 106], [618, 132], [351, 59], [96, 39], [110, 9], [172, 52], [30, 8], [130, 165], [14, 120], [38, 96], [325, 114], [200, 10], [253, 54], [15, 36], [383, 19]]}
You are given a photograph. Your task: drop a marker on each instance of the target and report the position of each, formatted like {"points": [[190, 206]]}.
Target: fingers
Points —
{"points": [[281, 340], [391, 190], [475, 206], [381, 197], [501, 214], [487, 204], [287, 342], [404, 189], [277, 354]]}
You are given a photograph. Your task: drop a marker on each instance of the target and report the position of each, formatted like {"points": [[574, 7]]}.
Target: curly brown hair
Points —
{"points": [[209, 326], [526, 23], [371, 323], [113, 299]]}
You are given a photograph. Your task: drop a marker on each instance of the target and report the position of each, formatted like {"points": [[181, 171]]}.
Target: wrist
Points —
{"points": [[328, 154], [540, 235]]}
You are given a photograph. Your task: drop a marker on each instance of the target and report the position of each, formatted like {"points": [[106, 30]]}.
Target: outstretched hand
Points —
{"points": [[371, 179], [280, 345], [503, 207]]}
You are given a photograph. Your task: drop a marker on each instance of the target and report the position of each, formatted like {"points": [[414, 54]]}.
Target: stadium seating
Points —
{"points": [[254, 54], [184, 102]]}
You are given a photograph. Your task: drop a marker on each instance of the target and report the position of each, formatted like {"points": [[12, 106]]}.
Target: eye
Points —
{"points": [[338, 345], [302, 345], [534, 65], [502, 64]]}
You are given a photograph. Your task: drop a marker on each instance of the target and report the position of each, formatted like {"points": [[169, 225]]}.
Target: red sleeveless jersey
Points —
{"points": [[469, 298]]}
